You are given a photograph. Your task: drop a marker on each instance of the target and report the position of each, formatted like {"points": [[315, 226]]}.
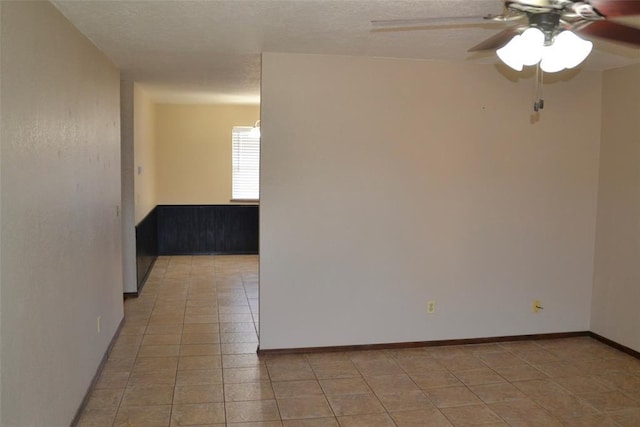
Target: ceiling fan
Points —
{"points": [[543, 32]]}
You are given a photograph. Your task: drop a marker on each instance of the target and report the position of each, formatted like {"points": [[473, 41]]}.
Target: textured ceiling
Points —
{"points": [[209, 51]]}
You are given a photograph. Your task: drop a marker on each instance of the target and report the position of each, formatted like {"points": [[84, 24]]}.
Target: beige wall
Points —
{"points": [[1, 122], [61, 240], [388, 183], [127, 154], [145, 153], [616, 294], [194, 151]]}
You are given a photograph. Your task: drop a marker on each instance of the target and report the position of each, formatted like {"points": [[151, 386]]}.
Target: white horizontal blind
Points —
{"points": [[245, 164]]}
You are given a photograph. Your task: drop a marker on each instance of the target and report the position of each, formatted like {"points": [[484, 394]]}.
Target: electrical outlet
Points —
{"points": [[99, 320], [537, 306], [431, 307]]}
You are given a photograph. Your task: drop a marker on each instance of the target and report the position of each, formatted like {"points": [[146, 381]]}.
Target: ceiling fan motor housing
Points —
{"points": [[570, 9], [548, 23]]}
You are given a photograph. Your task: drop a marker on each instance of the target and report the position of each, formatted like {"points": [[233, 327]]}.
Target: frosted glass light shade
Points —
{"points": [[552, 59], [531, 45], [254, 132], [510, 54], [523, 49], [574, 48], [567, 51]]}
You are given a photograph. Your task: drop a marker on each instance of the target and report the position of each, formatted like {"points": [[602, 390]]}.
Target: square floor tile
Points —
{"points": [[490, 393], [518, 372], [199, 362], [158, 350], [312, 422], [391, 384], [344, 386], [452, 396], [199, 376], [284, 372], [197, 414], [524, 413], [152, 364], [249, 411], [300, 388], [406, 401], [375, 420], [341, 369], [248, 391], [435, 380], [245, 375], [565, 406], [241, 360], [355, 404], [608, 401], [304, 407], [147, 378], [199, 349], [471, 415], [148, 395], [97, 417], [143, 416], [378, 367], [202, 393], [479, 376], [423, 417], [105, 398]]}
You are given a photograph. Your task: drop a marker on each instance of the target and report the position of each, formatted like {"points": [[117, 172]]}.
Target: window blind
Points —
{"points": [[245, 164]]}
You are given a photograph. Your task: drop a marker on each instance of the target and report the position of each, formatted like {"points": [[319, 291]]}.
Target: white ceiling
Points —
{"points": [[209, 50]]}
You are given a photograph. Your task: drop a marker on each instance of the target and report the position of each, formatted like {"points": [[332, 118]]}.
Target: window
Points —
{"points": [[245, 156]]}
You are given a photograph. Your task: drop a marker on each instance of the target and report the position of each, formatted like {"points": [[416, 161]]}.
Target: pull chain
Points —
{"points": [[538, 103]]}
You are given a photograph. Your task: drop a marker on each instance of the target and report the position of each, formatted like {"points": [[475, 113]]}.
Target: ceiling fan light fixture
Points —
{"points": [[528, 48], [255, 130], [552, 59], [510, 54], [575, 50], [523, 49], [567, 51], [531, 46]]}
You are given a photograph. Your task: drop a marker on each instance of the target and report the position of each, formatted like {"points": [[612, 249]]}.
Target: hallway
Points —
{"points": [[187, 356]]}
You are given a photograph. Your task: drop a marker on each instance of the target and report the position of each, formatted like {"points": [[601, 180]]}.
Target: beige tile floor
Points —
{"points": [[187, 356]]}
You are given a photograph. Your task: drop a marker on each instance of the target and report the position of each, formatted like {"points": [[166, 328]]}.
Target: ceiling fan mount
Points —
{"points": [[547, 22]]}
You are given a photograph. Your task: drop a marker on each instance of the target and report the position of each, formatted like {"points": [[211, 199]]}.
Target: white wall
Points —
{"points": [[61, 241], [387, 183], [616, 294]]}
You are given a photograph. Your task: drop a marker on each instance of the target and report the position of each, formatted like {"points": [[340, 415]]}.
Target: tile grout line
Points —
{"points": [[326, 398], [222, 368], [135, 359], [184, 316], [371, 389]]}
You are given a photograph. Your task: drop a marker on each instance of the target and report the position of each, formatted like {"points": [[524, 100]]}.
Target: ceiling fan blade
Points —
{"points": [[497, 41], [435, 22], [612, 31], [611, 8]]}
